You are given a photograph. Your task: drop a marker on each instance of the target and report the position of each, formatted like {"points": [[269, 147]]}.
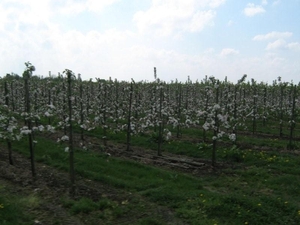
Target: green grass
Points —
{"points": [[184, 146], [14, 208], [104, 207], [261, 188]]}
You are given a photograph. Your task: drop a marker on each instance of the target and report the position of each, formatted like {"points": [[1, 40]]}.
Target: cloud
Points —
{"points": [[272, 35], [32, 31], [200, 20], [264, 2], [216, 3], [294, 46], [99, 5], [228, 51], [72, 7], [280, 43], [14, 13], [252, 10], [166, 17]]}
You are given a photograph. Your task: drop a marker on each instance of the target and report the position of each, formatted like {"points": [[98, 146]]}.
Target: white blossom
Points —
{"points": [[168, 135], [24, 130], [206, 126], [217, 107], [47, 114], [51, 106], [220, 135], [232, 137], [64, 138], [41, 128], [83, 126], [50, 128]]}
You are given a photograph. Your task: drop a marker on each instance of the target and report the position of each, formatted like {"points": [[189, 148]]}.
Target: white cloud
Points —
{"points": [[30, 31], [229, 51], [19, 12], [294, 46], [201, 19], [71, 7], [252, 10], [204, 3], [99, 5], [216, 3], [166, 17], [74, 7], [272, 35], [280, 43], [264, 2]]}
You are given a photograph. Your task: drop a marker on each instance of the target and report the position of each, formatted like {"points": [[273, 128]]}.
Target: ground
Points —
{"points": [[52, 185]]}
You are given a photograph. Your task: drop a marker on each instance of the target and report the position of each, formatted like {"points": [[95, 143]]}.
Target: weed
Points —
{"points": [[234, 154]]}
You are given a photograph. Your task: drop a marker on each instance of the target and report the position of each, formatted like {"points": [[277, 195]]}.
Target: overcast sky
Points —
{"points": [[125, 39]]}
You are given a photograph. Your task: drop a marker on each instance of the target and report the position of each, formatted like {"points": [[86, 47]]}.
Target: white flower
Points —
{"points": [[220, 117], [66, 149], [50, 128], [25, 130], [24, 114], [232, 137], [11, 129], [64, 138], [83, 126], [217, 107], [34, 128], [51, 106], [206, 126], [220, 135], [188, 121], [200, 113], [47, 114], [41, 128]]}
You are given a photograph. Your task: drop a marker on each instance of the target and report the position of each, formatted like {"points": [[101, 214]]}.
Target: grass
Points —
{"points": [[260, 188], [189, 148], [14, 208], [104, 207]]}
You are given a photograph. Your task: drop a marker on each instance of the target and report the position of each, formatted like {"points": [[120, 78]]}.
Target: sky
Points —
{"points": [[125, 39]]}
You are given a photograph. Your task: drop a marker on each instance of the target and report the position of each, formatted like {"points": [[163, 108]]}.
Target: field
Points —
{"points": [[111, 152]]}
